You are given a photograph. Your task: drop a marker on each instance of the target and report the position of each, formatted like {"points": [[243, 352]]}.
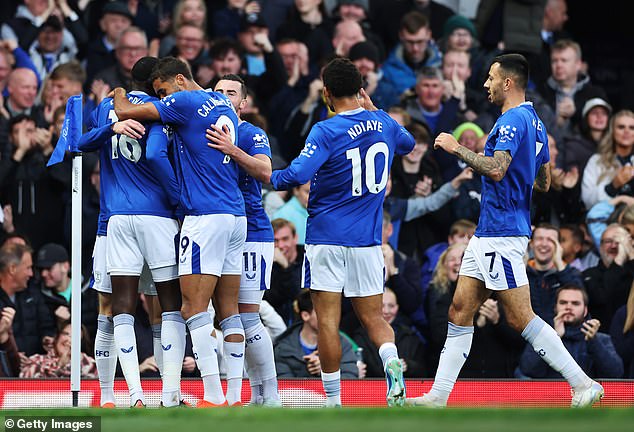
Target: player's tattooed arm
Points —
{"points": [[542, 180], [493, 167]]}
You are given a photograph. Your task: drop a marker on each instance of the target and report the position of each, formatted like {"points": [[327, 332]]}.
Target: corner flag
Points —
{"points": [[71, 130]]}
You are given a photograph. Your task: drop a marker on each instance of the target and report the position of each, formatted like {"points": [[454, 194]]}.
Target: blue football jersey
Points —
{"points": [[253, 140], [129, 185], [347, 158], [505, 207], [209, 179]]}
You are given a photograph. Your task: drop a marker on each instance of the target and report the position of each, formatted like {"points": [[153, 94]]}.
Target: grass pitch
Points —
{"points": [[349, 419]]}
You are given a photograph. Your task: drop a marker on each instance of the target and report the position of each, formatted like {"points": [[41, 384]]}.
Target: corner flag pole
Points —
{"points": [[76, 277], [69, 137]]}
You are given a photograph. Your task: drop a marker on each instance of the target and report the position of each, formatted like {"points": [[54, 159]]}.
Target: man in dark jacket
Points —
{"points": [[593, 351], [286, 274], [32, 321], [54, 266], [296, 351], [608, 283], [548, 271]]}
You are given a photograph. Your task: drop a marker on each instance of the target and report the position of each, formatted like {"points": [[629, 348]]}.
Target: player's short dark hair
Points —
{"points": [[515, 65], [168, 67], [342, 78], [572, 287], [141, 73], [236, 78]]}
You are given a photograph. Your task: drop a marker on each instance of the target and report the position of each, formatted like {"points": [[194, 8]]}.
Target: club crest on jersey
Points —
{"points": [[309, 150], [507, 132], [168, 100], [260, 140]]}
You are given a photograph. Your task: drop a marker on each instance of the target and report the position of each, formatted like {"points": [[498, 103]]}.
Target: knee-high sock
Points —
{"points": [[156, 347], [205, 347], [125, 340], [452, 359], [332, 387], [234, 357], [173, 334], [259, 355], [105, 357], [547, 343]]}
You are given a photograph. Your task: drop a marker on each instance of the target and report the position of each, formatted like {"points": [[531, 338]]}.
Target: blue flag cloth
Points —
{"points": [[71, 130]]}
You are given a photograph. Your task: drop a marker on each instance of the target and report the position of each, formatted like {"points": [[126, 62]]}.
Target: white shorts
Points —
{"points": [[257, 261], [101, 279], [497, 261], [136, 239], [212, 244], [355, 271]]}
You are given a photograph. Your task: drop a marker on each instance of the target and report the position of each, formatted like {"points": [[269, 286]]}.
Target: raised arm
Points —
{"points": [[542, 181], [493, 167], [127, 110]]}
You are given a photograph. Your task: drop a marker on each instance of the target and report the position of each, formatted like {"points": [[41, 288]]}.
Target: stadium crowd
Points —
{"points": [[424, 64]]}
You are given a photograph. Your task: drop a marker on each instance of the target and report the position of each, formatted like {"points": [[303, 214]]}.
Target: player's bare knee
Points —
{"points": [[460, 314]]}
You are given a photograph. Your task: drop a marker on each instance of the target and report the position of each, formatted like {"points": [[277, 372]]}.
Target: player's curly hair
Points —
{"points": [[168, 67], [342, 78]]}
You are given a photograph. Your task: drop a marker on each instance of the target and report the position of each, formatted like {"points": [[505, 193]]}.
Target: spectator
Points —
{"points": [[296, 350], [359, 11], [12, 57], [407, 339], [456, 66], [186, 11], [388, 14], [295, 210], [130, 47], [415, 51], [22, 93], [286, 274], [9, 357], [56, 362], [593, 351], [467, 204], [25, 26], [562, 203], [438, 300], [115, 18], [417, 175], [622, 333], [53, 264], [191, 46], [254, 37], [568, 88], [50, 49], [365, 57], [36, 194], [346, 34], [460, 232], [578, 147], [609, 283], [609, 172], [555, 16], [226, 21], [32, 322], [402, 276], [547, 271], [66, 80], [308, 22], [430, 105], [571, 239]]}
